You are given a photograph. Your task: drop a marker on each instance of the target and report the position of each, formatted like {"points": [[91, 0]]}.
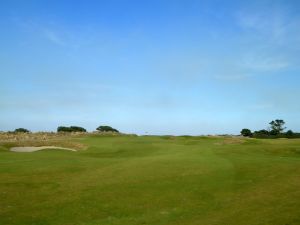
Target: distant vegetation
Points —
{"points": [[246, 132], [276, 130], [21, 130], [106, 129], [70, 129]]}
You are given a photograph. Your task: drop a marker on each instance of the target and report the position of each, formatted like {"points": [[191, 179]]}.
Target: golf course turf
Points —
{"points": [[157, 180]]}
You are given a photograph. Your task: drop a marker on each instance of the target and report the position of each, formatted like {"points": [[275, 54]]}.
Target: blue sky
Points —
{"points": [[161, 67]]}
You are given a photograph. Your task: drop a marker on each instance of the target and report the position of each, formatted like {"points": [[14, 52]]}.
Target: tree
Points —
{"points": [[261, 132], [277, 126], [70, 129], [246, 132], [106, 129], [274, 132], [63, 129], [21, 130], [77, 129], [289, 133]]}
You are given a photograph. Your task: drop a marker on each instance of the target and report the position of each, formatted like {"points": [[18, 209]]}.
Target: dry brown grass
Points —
{"points": [[12, 136], [67, 140], [61, 139], [231, 140]]}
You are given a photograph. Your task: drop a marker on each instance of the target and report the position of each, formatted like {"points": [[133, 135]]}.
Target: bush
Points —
{"points": [[63, 129], [276, 129], [21, 130], [295, 135], [261, 134], [274, 132], [106, 129], [246, 132], [265, 132], [272, 135], [77, 129], [70, 129], [289, 133]]}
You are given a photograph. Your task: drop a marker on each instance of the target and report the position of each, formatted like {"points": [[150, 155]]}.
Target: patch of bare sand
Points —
{"points": [[33, 149]]}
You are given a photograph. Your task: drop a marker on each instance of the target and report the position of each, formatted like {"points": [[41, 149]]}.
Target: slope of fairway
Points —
{"points": [[127, 180]]}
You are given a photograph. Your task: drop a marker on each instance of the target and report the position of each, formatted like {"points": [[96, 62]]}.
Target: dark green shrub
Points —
{"points": [[77, 129], [261, 134], [246, 132], [70, 129], [63, 129], [106, 129], [21, 130], [274, 132], [289, 133]]}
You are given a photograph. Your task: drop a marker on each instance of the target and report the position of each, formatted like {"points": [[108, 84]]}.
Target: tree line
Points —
{"points": [[275, 130], [73, 129]]}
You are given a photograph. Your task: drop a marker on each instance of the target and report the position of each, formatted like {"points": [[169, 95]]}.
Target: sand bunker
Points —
{"points": [[33, 149]]}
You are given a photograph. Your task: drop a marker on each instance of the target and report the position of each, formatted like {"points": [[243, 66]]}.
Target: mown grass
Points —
{"points": [[154, 180]]}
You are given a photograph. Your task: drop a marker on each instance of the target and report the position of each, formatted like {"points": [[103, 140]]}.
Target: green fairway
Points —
{"points": [[128, 180]]}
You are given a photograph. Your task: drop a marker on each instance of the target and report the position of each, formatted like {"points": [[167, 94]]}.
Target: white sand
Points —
{"points": [[33, 149]]}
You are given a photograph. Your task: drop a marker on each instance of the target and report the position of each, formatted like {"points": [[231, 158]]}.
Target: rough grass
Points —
{"points": [[153, 180]]}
